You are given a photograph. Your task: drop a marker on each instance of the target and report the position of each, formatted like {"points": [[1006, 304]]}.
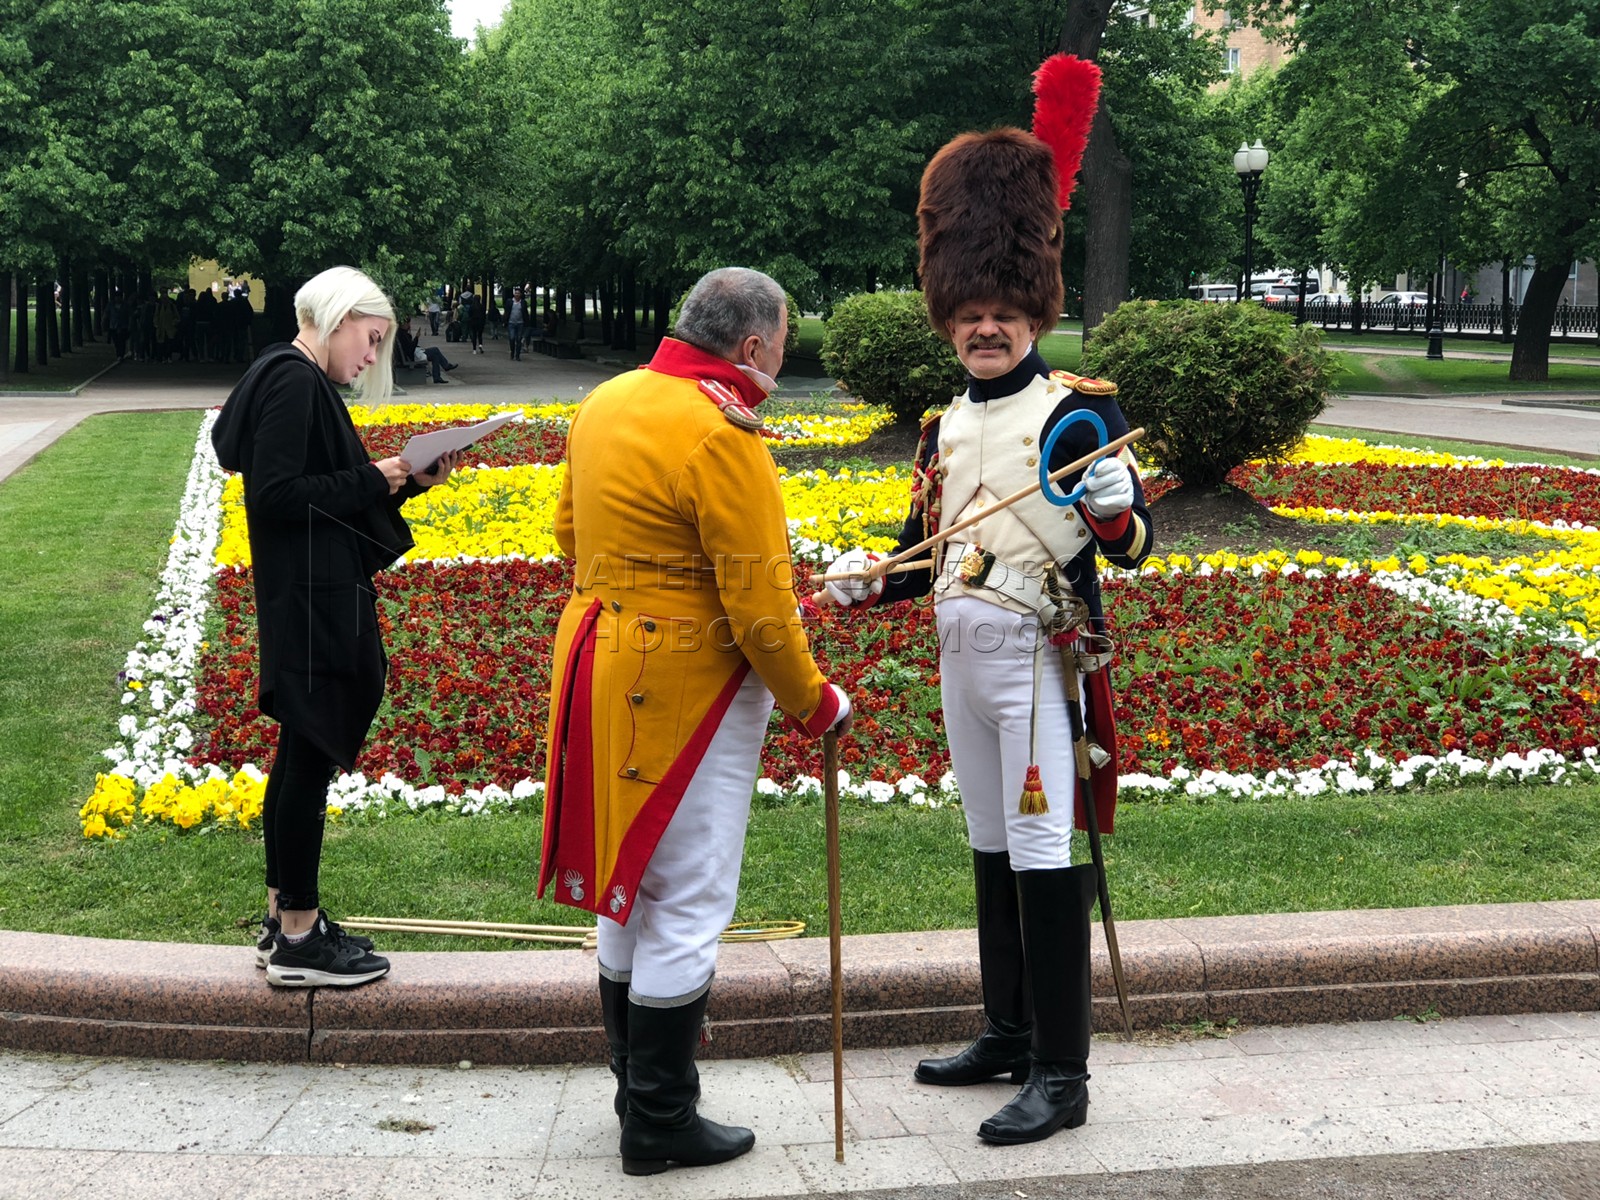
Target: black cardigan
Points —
{"points": [[322, 523]]}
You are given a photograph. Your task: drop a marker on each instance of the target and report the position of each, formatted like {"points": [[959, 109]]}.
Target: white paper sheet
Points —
{"points": [[424, 449]]}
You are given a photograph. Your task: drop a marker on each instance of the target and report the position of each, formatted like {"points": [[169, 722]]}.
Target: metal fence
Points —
{"points": [[1573, 322]]}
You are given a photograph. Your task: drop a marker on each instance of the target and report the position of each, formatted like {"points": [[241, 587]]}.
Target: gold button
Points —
{"points": [[616, 606], [1082, 532], [1027, 441], [637, 697], [632, 772], [1050, 388], [649, 626], [1032, 461]]}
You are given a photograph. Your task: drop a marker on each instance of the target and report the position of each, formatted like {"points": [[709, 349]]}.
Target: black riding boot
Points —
{"points": [[614, 1013], [662, 1125], [1055, 931], [1002, 1047]]}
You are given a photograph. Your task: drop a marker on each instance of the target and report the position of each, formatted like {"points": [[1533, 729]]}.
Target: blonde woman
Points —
{"points": [[323, 520]]}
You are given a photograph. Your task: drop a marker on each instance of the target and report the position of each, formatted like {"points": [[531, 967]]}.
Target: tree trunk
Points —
{"points": [[20, 359], [606, 293], [1106, 193], [81, 327], [5, 324], [44, 326], [1505, 302], [102, 297], [663, 307], [1530, 354], [65, 318], [1105, 184], [630, 310]]}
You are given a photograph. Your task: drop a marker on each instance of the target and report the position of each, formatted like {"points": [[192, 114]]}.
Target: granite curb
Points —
{"points": [[101, 996]]}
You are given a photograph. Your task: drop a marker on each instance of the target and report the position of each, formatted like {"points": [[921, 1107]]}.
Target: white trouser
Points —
{"points": [[986, 674], [687, 893]]}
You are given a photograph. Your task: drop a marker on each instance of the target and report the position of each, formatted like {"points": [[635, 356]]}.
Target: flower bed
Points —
{"points": [[1238, 675]]}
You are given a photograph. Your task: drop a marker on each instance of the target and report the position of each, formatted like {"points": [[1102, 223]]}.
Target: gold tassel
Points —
{"points": [[1033, 798]]}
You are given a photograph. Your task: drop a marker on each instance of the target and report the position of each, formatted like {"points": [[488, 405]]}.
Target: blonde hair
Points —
{"points": [[339, 292]]}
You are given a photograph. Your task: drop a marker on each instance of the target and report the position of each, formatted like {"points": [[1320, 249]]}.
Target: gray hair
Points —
{"points": [[727, 306]]}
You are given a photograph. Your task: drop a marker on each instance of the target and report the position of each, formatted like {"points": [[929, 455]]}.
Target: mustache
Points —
{"points": [[989, 343]]}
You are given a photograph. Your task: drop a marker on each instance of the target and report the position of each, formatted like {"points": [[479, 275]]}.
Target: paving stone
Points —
{"points": [[35, 1174], [151, 1105], [765, 1171], [890, 1163], [396, 1112]]}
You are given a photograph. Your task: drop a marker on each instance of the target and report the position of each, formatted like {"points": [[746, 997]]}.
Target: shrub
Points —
{"points": [[879, 345], [1215, 385], [790, 342]]}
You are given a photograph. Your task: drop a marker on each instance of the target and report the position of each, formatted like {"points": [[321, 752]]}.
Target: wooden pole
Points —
{"points": [[830, 791]]}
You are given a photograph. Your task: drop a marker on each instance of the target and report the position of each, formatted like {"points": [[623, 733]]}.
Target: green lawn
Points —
{"points": [[1393, 373], [78, 564], [1343, 339]]}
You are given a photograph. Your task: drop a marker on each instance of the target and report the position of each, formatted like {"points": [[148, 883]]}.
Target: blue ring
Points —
{"points": [[1066, 499]]}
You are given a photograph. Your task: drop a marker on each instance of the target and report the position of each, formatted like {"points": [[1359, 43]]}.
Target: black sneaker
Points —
{"points": [[327, 958], [271, 927]]}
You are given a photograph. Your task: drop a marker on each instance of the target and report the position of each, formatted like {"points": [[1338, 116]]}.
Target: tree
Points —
{"points": [[1448, 126], [345, 144]]}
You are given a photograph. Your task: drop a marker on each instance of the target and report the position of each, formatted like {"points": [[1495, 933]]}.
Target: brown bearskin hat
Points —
{"points": [[990, 227], [989, 220]]}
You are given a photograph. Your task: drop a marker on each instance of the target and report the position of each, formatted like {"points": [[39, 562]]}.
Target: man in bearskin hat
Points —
{"points": [[1014, 589], [681, 632]]}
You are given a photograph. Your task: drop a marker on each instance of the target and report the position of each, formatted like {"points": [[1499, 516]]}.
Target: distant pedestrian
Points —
{"points": [[469, 327], [117, 323], [516, 317], [433, 313]]}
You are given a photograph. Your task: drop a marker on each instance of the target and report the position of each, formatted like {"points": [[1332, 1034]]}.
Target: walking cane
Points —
{"points": [[1080, 747], [830, 801]]}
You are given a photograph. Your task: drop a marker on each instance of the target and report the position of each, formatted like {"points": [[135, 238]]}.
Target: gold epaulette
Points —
{"points": [[1084, 384], [928, 418]]}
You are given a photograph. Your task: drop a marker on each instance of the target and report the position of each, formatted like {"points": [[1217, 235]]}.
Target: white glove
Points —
{"points": [[842, 721], [1108, 488], [846, 592]]}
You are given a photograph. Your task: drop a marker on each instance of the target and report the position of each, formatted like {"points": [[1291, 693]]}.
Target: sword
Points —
{"points": [[1080, 752]]}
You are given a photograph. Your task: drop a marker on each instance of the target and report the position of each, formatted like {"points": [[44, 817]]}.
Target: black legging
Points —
{"points": [[293, 813]]}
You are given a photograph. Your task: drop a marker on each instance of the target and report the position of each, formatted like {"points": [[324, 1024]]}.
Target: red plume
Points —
{"points": [[1067, 89]]}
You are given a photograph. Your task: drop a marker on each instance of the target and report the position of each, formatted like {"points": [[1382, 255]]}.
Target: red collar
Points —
{"points": [[684, 361]]}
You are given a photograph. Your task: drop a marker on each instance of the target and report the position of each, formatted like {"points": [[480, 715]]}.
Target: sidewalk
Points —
{"points": [[28, 424], [1445, 1103], [1512, 421]]}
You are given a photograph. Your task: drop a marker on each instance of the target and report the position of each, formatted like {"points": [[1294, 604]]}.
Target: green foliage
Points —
{"points": [[790, 343], [880, 346], [1214, 384]]}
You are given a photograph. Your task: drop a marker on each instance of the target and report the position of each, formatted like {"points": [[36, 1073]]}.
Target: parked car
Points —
{"points": [[1325, 300], [1214, 293], [1289, 293], [1402, 300]]}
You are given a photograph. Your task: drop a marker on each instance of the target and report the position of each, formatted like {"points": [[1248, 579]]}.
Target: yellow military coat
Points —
{"points": [[673, 517]]}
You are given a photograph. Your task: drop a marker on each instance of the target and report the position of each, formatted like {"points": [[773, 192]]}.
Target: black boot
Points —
{"points": [[1055, 932], [614, 1013], [1002, 1047], [662, 1125]]}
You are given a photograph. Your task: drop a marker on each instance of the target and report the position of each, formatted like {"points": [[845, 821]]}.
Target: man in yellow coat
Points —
{"points": [[681, 632]]}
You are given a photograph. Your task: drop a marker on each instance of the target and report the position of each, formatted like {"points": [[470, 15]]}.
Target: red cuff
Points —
{"points": [[825, 714], [1109, 530]]}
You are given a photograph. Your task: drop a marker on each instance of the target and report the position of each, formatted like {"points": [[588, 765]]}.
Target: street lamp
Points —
{"points": [[1248, 164]]}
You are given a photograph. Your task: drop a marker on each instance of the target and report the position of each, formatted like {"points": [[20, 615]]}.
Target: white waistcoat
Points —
{"points": [[987, 451]]}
